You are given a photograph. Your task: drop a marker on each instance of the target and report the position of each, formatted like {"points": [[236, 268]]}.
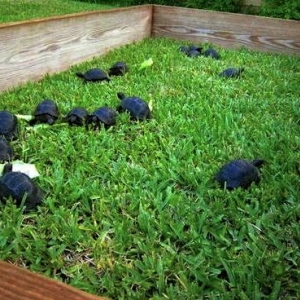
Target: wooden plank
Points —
{"points": [[227, 29], [31, 49], [20, 284]]}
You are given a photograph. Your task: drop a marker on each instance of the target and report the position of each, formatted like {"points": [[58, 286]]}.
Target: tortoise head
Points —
{"points": [[90, 119], [34, 199], [8, 167], [71, 119], [257, 162], [80, 75], [121, 96]]}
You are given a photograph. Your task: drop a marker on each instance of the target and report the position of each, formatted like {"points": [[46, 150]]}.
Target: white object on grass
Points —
{"points": [[25, 117], [20, 166]]}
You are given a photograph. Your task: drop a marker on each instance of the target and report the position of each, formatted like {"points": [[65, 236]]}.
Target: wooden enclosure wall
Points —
{"points": [[20, 284], [30, 49], [227, 29]]}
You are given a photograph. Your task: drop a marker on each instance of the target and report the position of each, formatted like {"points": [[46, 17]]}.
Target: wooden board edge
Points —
{"points": [[257, 33], [15, 279], [224, 13], [72, 15]]}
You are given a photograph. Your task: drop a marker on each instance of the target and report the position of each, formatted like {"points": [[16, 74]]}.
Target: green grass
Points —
{"points": [[133, 212], [20, 10]]}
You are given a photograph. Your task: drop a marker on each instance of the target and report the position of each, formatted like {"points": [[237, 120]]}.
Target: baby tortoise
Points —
{"points": [[17, 185], [210, 52], [45, 112], [93, 75], [137, 108], [191, 51], [102, 116], [239, 173], [8, 125], [232, 72], [184, 49], [76, 116], [118, 69]]}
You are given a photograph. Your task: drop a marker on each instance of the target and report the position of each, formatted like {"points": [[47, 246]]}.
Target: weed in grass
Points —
{"points": [[134, 211]]}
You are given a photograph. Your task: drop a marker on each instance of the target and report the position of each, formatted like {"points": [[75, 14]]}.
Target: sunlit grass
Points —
{"points": [[20, 10], [133, 212]]}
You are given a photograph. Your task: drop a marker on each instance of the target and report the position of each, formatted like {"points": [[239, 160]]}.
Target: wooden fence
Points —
{"points": [[19, 284], [227, 29], [31, 49]]}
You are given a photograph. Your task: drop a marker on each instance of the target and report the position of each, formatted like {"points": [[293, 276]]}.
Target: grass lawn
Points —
{"points": [[133, 212], [20, 10]]}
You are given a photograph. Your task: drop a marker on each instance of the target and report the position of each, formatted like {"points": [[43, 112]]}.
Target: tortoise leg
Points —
{"points": [[97, 125], [258, 162], [87, 122], [120, 109], [32, 122], [7, 168], [50, 120]]}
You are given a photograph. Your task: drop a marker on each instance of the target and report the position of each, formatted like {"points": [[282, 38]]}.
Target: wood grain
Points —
{"points": [[227, 29], [20, 284], [31, 49]]}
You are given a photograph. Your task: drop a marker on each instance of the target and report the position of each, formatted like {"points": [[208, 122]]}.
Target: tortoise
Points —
{"points": [[137, 108], [118, 69], [45, 112], [195, 47], [93, 75], [184, 49], [6, 151], [210, 52], [239, 173], [18, 185], [8, 125], [76, 116], [232, 72], [105, 116], [191, 51]]}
